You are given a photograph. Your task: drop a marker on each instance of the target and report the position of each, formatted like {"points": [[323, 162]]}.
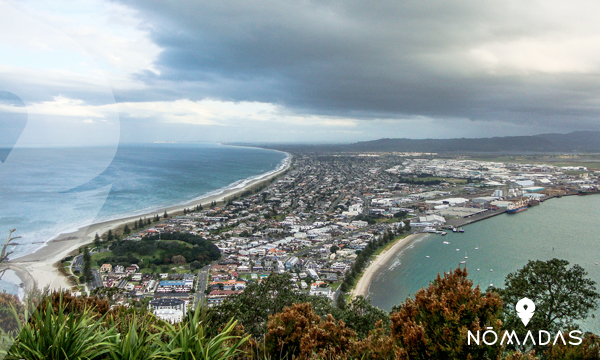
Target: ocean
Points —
{"points": [[46, 192], [566, 228]]}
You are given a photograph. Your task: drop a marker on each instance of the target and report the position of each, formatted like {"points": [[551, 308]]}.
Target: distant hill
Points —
{"points": [[579, 141]]}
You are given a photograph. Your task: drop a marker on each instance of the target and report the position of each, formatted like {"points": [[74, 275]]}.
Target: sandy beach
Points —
{"points": [[39, 266], [362, 288]]}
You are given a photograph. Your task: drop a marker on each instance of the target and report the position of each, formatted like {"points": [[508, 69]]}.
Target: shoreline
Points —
{"points": [[364, 283], [39, 267]]}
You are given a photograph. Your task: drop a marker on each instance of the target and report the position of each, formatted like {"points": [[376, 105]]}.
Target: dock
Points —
{"points": [[459, 222]]}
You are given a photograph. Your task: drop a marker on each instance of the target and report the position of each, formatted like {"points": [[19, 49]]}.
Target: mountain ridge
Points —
{"points": [[577, 141]]}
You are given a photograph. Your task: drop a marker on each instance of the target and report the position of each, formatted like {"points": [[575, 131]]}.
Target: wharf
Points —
{"points": [[458, 222]]}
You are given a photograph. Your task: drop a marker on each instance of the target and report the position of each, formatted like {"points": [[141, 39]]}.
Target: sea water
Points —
{"points": [[46, 192], [565, 228]]}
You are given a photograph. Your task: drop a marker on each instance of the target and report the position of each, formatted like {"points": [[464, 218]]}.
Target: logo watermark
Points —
{"points": [[525, 310]]}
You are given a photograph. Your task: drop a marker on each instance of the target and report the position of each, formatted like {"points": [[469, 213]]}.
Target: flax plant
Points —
{"points": [[190, 341], [138, 343], [56, 335]]}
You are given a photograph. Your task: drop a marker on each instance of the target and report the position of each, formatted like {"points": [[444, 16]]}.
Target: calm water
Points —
{"points": [[566, 228], [45, 192]]}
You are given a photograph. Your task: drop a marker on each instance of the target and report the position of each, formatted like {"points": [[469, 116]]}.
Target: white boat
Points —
{"points": [[466, 255], [477, 269], [454, 229], [463, 262], [491, 269], [457, 249], [461, 230], [426, 256], [447, 242]]}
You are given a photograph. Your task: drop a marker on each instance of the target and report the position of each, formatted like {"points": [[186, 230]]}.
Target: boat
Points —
{"points": [[461, 230], [463, 262], [477, 247], [466, 255], [477, 269], [426, 256], [491, 269], [454, 229], [447, 242], [457, 249], [517, 206]]}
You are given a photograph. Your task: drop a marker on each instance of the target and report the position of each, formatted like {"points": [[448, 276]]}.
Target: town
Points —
{"points": [[312, 222]]}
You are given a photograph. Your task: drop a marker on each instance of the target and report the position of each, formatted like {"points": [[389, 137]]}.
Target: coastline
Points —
{"points": [[364, 283], [39, 267]]}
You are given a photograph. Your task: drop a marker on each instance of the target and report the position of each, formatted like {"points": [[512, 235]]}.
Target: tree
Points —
{"points": [[434, 324], [5, 254], [400, 214], [258, 301], [561, 295], [97, 241], [109, 236], [87, 265], [126, 230], [361, 316], [165, 215], [195, 265], [178, 260], [298, 333], [334, 249]]}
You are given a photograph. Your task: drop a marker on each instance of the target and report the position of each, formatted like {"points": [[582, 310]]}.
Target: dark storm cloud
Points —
{"points": [[376, 59]]}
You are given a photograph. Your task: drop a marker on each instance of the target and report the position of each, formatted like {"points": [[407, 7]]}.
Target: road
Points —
{"points": [[201, 285]]}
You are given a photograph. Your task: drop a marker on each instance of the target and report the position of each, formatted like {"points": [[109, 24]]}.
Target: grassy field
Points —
{"points": [[589, 161], [145, 260]]}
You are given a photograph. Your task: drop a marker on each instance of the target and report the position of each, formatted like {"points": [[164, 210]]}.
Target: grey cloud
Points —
{"points": [[368, 59]]}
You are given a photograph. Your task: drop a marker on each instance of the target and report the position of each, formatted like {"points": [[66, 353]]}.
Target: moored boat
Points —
{"points": [[517, 206]]}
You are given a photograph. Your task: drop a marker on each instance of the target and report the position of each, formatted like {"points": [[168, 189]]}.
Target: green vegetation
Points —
{"points": [[562, 295], [172, 248], [591, 161], [63, 328], [87, 265], [269, 320], [362, 258], [428, 180]]}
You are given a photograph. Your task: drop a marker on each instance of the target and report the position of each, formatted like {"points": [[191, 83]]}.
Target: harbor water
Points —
{"points": [[565, 228]]}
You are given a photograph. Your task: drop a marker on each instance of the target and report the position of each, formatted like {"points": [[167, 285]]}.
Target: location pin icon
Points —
{"points": [[525, 309]]}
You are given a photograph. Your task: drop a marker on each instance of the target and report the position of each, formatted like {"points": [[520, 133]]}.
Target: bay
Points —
{"points": [[565, 228]]}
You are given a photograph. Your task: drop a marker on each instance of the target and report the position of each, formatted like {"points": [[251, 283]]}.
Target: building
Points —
{"points": [[216, 297], [106, 268], [321, 289], [291, 263], [168, 309], [172, 316]]}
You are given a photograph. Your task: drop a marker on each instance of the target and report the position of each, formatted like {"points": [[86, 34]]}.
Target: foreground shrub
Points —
{"points": [[588, 350], [434, 325], [55, 334], [297, 332], [190, 341]]}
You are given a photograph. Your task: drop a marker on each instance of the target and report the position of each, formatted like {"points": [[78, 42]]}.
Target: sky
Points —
{"points": [[107, 72]]}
